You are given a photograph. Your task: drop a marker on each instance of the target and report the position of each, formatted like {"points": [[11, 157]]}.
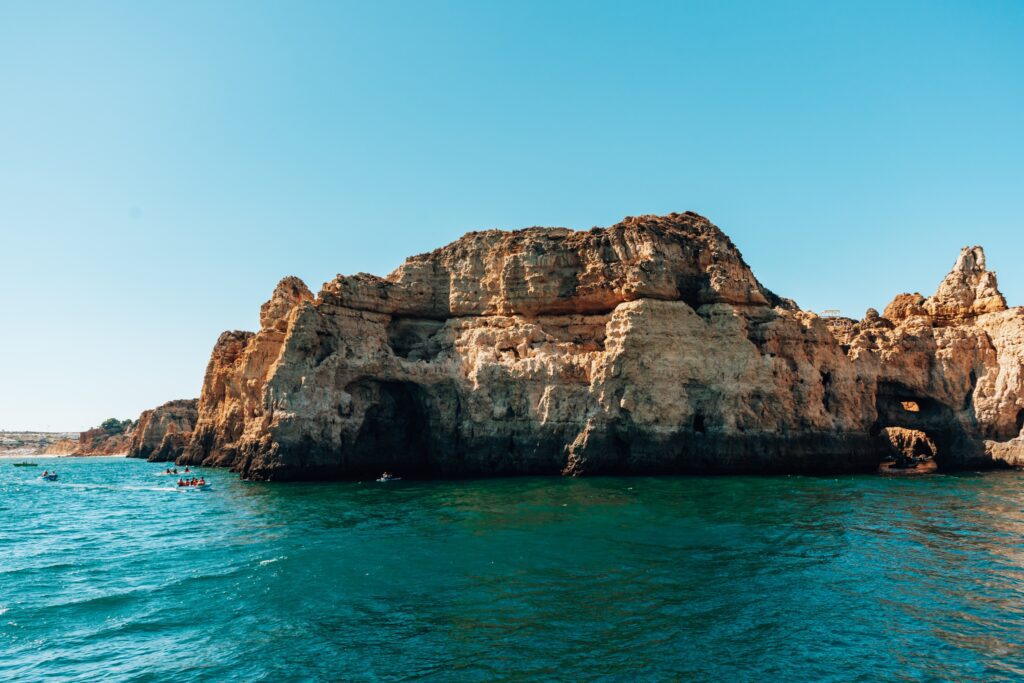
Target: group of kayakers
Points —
{"points": [[182, 481], [175, 470]]}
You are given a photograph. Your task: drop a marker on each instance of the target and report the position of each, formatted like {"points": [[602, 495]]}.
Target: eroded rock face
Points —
{"points": [[957, 355], [161, 434], [645, 347], [968, 291], [909, 445]]}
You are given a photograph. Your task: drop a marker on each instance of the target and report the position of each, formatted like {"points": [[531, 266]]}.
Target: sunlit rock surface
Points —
{"points": [[646, 347], [161, 434]]}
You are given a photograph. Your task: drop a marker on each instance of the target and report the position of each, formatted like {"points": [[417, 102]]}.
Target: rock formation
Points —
{"points": [[909, 445], [161, 434], [950, 365], [111, 438], [646, 347]]}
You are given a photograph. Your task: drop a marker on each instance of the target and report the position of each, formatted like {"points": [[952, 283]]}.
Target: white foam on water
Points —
{"points": [[114, 487]]}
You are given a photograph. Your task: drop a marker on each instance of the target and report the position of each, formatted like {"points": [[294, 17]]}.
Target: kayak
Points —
{"points": [[384, 479], [197, 487], [48, 477]]}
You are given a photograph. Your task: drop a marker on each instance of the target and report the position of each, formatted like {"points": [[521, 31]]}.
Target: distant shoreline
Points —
{"points": [[23, 456]]}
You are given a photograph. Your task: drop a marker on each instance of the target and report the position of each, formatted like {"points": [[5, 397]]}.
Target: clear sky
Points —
{"points": [[162, 165]]}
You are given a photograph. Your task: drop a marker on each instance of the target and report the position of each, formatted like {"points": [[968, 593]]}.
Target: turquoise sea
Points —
{"points": [[111, 574]]}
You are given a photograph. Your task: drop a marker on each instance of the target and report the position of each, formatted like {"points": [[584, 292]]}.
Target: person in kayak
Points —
{"points": [[202, 481]]}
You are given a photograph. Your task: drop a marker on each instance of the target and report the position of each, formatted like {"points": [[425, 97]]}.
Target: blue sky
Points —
{"points": [[164, 164]]}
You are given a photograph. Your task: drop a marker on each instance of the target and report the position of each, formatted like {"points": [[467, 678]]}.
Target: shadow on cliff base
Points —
{"points": [[901, 406], [622, 448], [419, 431]]}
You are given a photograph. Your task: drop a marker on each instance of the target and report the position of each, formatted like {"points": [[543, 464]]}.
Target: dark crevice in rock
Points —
{"points": [[699, 426], [826, 385], [690, 287], [969, 398], [415, 338], [325, 347]]}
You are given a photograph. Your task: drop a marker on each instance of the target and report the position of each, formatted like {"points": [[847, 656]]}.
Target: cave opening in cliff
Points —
{"points": [[395, 430], [699, 425], [914, 427], [1020, 421]]}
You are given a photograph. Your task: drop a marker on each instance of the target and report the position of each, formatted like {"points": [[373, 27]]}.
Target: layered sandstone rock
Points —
{"points": [[648, 346], [161, 434]]}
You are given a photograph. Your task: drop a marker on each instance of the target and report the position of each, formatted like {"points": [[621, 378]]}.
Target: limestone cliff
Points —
{"points": [[648, 346], [950, 365], [161, 434]]}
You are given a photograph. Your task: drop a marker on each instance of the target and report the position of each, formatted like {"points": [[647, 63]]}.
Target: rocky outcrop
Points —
{"points": [[111, 438], [909, 445], [100, 442], [955, 359], [161, 434], [646, 347], [967, 292]]}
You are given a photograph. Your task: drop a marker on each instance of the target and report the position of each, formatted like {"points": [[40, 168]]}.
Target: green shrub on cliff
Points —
{"points": [[115, 426]]}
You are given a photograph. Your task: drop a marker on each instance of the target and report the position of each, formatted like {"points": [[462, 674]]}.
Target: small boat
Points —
{"points": [[387, 476], [25, 464], [48, 477], [194, 487]]}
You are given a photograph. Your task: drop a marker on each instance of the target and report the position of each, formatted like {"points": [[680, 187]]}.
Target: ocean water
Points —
{"points": [[111, 574]]}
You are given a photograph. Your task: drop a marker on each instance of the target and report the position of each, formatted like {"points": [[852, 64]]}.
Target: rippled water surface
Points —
{"points": [[111, 574]]}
